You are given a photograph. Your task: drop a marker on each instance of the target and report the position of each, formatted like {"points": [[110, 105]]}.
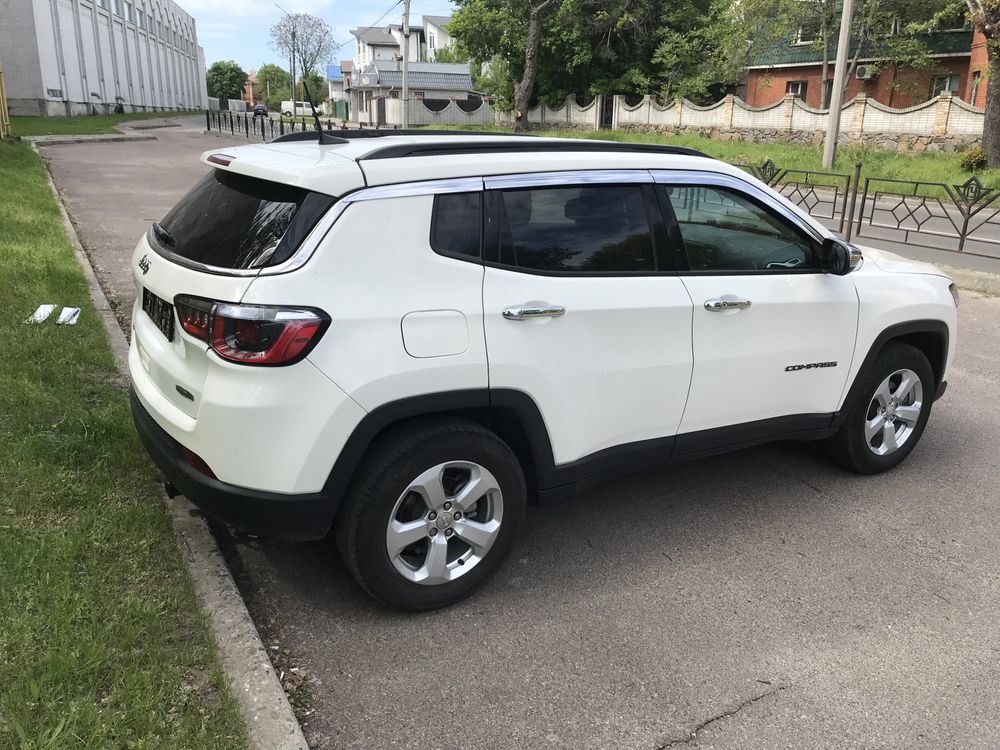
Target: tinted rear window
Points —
{"points": [[232, 221]]}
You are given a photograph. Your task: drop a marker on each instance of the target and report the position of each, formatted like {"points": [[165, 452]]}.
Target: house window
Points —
{"points": [[118, 8], [129, 13], [418, 95], [796, 87], [430, 40], [977, 79], [807, 33], [941, 84]]}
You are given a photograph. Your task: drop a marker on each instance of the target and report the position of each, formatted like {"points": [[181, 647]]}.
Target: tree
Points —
{"points": [[318, 90], [449, 54], [226, 79], [525, 87], [271, 79], [985, 16], [308, 38]]}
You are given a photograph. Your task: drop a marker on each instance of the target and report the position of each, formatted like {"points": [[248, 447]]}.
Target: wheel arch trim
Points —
{"points": [[907, 331]]}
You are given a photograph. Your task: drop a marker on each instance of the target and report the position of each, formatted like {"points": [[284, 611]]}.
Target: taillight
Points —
{"points": [[195, 316], [252, 334]]}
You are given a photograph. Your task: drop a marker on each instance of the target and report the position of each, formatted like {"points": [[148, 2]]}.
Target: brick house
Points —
{"points": [[960, 67]]}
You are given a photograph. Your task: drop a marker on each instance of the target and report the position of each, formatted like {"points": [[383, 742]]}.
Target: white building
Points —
{"points": [[436, 35], [68, 57]]}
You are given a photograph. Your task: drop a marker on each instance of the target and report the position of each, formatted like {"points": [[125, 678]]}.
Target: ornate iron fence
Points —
{"points": [[824, 195], [958, 218]]}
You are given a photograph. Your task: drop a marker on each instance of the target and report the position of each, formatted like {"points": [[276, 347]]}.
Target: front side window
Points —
{"points": [[232, 221], [582, 229], [723, 230]]}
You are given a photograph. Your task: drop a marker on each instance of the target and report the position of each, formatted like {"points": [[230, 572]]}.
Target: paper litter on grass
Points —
{"points": [[41, 314], [68, 316]]}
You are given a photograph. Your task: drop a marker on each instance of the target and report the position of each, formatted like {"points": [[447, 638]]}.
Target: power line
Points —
{"points": [[376, 22]]}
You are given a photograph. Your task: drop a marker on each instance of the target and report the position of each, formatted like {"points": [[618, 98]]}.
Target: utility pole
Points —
{"points": [[837, 95], [406, 64]]}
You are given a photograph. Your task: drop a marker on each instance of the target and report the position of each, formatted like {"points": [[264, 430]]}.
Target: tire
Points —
{"points": [[864, 443], [412, 480], [287, 114]]}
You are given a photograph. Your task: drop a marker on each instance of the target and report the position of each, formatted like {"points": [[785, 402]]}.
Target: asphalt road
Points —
{"points": [[762, 599]]}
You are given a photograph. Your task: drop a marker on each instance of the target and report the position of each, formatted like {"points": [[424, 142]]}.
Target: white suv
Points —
{"points": [[406, 337]]}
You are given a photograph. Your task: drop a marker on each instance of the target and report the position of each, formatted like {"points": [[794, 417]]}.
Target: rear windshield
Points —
{"points": [[233, 221]]}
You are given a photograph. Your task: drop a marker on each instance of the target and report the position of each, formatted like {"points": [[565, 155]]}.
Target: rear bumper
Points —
{"points": [[301, 516]]}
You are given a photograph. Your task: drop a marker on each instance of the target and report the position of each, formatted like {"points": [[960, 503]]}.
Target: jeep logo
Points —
{"points": [[144, 264], [810, 366]]}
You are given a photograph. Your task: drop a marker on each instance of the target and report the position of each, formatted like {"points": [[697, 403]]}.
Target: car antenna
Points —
{"points": [[325, 139]]}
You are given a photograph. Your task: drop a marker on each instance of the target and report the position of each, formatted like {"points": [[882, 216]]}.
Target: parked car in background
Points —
{"points": [[300, 109], [260, 110], [404, 337]]}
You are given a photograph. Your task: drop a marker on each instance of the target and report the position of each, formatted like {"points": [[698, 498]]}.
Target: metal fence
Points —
{"points": [[244, 124], [958, 218], [824, 195]]}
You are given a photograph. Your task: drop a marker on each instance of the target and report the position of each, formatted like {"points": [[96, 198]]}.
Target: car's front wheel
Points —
{"points": [[888, 414], [433, 512]]}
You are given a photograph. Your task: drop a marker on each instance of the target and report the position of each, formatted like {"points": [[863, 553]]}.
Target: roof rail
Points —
{"points": [[310, 135], [401, 150]]}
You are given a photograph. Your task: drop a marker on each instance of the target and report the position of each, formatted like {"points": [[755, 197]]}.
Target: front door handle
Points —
{"points": [[533, 310], [726, 302]]}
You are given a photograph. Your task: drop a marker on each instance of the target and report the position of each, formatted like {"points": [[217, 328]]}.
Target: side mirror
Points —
{"points": [[838, 257]]}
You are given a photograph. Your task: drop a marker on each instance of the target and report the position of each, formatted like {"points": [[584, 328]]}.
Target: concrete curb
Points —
{"points": [[977, 281], [267, 715], [129, 131]]}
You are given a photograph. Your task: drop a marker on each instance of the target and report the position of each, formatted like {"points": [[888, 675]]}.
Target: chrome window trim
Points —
{"points": [[569, 178], [309, 245], [422, 187], [722, 180]]}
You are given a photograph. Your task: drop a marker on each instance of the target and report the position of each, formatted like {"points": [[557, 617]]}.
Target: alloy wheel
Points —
{"points": [[893, 412], [444, 523]]}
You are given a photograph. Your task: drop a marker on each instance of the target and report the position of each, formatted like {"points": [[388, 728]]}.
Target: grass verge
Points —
{"points": [[925, 167], [82, 124], [102, 641]]}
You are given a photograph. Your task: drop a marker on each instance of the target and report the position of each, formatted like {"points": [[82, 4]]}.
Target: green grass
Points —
{"points": [[81, 125], [924, 167], [102, 641]]}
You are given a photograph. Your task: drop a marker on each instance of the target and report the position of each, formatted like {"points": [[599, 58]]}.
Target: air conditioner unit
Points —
{"points": [[865, 72]]}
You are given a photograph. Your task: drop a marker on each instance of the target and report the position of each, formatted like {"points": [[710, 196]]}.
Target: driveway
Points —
{"points": [[761, 599]]}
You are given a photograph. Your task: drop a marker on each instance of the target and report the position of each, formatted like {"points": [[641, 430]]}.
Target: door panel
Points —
{"points": [[742, 356], [613, 369]]}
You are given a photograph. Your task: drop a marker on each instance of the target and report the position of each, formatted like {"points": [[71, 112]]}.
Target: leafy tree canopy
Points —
{"points": [[691, 48], [226, 79]]}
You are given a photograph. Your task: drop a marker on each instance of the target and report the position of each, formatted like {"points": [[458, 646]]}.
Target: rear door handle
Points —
{"points": [[726, 302], [533, 310]]}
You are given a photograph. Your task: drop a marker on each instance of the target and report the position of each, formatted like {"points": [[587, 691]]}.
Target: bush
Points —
{"points": [[972, 160]]}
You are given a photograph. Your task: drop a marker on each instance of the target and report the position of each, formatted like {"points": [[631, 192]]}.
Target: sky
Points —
{"points": [[239, 29]]}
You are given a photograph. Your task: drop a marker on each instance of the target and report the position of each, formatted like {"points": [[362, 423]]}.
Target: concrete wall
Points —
{"points": [[570, 115], [67, 57], [945, 123], [450, 115]]}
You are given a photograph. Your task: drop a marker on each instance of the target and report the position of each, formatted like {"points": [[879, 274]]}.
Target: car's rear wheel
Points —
{"points": [[287, 114], [889, 412], [432, 514]]}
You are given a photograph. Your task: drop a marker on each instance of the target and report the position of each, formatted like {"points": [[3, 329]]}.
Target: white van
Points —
{"points": [[302, 109]]}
